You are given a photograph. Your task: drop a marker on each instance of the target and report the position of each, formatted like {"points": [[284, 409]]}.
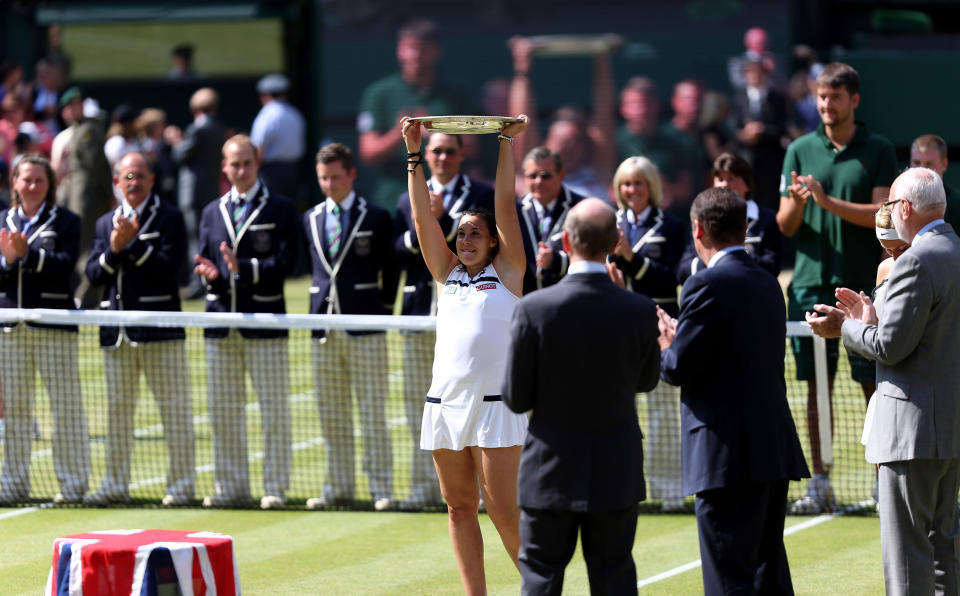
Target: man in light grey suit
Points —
{"points": [[915, 436]]}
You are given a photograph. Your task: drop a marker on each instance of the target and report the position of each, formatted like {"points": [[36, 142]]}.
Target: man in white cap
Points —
{"points": [[279, 132]]}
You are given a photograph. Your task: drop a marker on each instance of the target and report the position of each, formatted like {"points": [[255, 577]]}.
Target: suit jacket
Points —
{"points": [[583, 450], [143, 275], [419, 291], [362, 279], [266, 249], [736, 427], [917, 413], [652, 272], [535, 277], [199, 156], [42, 278], [764, 243]]}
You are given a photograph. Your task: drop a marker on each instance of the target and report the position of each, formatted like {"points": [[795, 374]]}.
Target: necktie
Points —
{"points": [[239, 210], [336, 232]]}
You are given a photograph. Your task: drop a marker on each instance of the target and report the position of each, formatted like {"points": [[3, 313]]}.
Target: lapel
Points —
{"points": [[357, 214], [149, 214], [460, 191], [257, 204], [654, 219], [564, 205], [47, 215], [530, 220], [318, 235]]}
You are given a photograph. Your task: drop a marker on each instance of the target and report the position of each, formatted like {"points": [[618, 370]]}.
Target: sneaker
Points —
{"points": [[225, 501], [104, 499], [384, 504], [673, 505], [819, 498], [175, 501], [273, 502], [62, 499]]}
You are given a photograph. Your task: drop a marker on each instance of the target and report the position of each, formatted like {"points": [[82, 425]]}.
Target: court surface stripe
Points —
{"points": [[816, 521]]}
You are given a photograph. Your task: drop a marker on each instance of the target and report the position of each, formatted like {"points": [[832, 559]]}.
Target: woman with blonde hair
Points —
{"points": [[651, 244], [39, 243]]}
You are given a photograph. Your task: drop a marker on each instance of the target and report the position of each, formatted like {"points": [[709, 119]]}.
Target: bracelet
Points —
{"points": [[502, 137], [417, 154], [414, 160]]}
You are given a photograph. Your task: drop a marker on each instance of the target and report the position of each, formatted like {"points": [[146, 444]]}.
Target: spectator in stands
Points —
{"points": [[279, 133], [451, 194], [38, 251], [715, 134], [684, 126], [15, 119], [763, 242], [414, 91], [930, 151], [642, 134], [151, 124], [181, 58], [756, 44], [50, 81], [585, 144], [197, 151], [84, 180], [650, 245], [760, 122], [833, 180], [354, 272], [138, 249], [248, 245], [11, 78], [542, 212], [122, 134]]}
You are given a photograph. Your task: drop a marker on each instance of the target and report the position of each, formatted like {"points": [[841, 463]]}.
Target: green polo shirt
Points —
{"points": [[832, 252], [381, 105], [952, 215], [660, 148]]}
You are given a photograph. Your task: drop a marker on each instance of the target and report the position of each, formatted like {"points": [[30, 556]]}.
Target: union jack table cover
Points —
{"points": [[114, 562]]}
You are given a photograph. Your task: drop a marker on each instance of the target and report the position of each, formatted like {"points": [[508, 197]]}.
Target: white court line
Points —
{"points": [[816, 521], [24, 510]]}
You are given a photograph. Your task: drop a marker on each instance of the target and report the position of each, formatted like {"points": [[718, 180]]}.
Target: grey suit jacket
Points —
{"points": [[917, 349]]}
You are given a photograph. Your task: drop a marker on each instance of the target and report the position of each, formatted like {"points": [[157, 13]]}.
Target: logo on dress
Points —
{"points": [[361, 246], [486, 286], [261, 242]]}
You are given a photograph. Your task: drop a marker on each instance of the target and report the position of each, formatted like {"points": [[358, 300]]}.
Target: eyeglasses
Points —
{"points": [[134, 176], [544, 175], [448, 151], [893, 202]]}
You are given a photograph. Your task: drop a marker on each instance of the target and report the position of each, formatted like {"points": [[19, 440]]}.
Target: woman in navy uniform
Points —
{"points": [[651, 243], [764, 241], [39, 243]]}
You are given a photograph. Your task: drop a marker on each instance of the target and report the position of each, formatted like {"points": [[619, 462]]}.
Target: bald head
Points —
{"points": [[590, 229], [133, 176]]}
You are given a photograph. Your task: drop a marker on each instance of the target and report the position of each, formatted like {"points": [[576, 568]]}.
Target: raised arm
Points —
{"points": [[436, 254], [511, 262]]}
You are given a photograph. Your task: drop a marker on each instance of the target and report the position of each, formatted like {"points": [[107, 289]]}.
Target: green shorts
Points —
{"points": [[801, 301]]}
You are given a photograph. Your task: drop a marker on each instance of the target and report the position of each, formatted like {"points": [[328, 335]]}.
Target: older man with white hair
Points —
{"points": [[915, 437]]}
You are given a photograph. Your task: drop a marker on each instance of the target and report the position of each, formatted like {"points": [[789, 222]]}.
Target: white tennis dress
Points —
{"points": [[463, 405]]}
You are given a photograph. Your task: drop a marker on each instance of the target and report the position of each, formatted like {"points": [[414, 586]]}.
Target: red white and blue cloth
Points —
{"points": [[115, 562]]}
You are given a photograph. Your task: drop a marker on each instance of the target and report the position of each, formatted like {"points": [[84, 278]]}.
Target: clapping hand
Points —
{"points": [[857, 306], [206, 268], [668, 328], [124, 230], [13, 245], [544, 255]]}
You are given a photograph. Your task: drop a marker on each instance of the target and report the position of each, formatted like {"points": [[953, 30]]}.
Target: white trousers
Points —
{"points": [[24, 350], [662, 450], [164, 366], [343, 363], [417, 373], [228, 361]]}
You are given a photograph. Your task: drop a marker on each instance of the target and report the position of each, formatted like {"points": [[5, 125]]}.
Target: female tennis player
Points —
{"points": [[474, 437]]}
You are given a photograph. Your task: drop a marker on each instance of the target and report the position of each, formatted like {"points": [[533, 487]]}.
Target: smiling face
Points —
{"points": [[134, 179], [836, 105], [444, 156], [30, 182], [475, 242], [543, 179], [635, 193]]}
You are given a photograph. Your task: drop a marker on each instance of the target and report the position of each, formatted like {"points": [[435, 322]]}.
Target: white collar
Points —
{"points": [[636, 218], [32, 220], [926, 229], [126, 206], [345, 205], [247, 196], [586, 267], [753, 210], [541, 209], [448, 187], [722, 253]]}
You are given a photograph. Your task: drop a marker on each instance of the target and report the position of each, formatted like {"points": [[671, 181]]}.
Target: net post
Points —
{"points": [[823, 401]]}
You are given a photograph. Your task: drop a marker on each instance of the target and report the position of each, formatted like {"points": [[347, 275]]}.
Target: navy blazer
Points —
{"points": [[764, 243], [583, 450], [536, 278], [363, 277], [418, 292], [42, 278], [652, 272], [143, 275], [728, 359], [266, 249]]}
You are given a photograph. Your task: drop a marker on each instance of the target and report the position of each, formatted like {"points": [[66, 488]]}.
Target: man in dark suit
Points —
{"points": [[582, 463], [915, 433], [354, 272], [137, 250], [542, 211], [197, 152], [248, 245], [739, 446], [451, 194]]}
